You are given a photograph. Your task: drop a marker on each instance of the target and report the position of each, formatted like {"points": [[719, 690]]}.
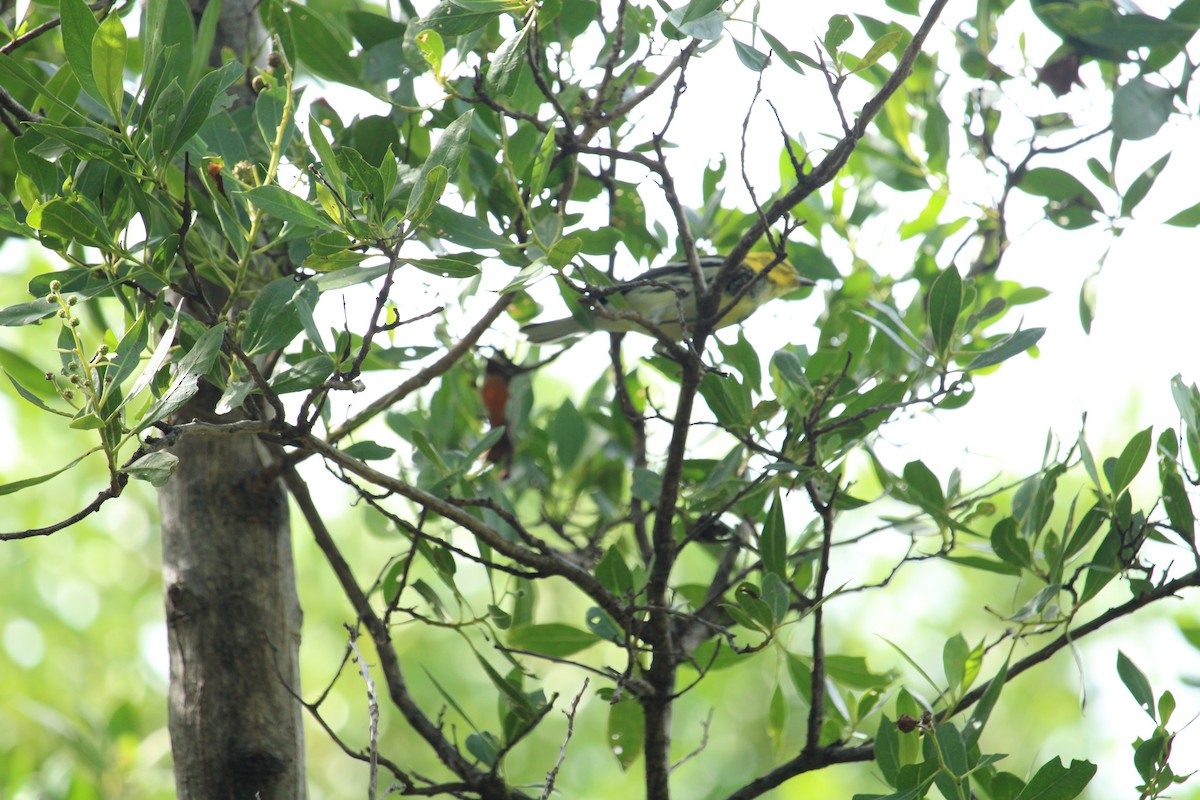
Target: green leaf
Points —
{"points": [[1141, 185], [432, 49], [1188, 218], [28, 313], [1137, 684], [1087, 528], [1178, 506], [853, 672], [69, 222], [185, 384], [1087, 302], [626, 730], [1008, 546], [780, 51], [1140, 109], [282, 204], [773, 545], [15, 71], [881, 47], [563, 251], [613, 572], [646, 485], [206, 34], [127, 357], [1057, 185], [504, 71], [1011, 345], [1056, 782], [752, 58], [945, 303], [749, 600], [362, 176], [1130, 462], [319, 48], [728, 400], [777, 714], [887, 749], [513, 696], [88, 143], [601, 624], [274, 318], [79, 28], [551, 639], [369, 451], [200, 103], [447, 153], [308, 374], [569, 432], [838, 31], [25, 483], [455, 265], [954, 751], [954, 660], [458, 228], [912, 662], [442, 691], [924, 488], [462, 16], [154, 468], [543, 160], [108, 63], [983, 709], [693, 20], [1166, 707], [985, 564], [427, 193], [27, 394], [484, 746]]}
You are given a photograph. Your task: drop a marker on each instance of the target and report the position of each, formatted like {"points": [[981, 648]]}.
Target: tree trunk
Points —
{"points": [[233, 622], [233, 616]]}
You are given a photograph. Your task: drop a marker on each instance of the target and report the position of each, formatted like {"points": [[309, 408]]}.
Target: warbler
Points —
{"points": [[660, 294]]}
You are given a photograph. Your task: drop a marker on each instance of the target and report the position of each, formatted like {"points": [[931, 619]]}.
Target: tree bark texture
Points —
{"points": [[233, 622]]}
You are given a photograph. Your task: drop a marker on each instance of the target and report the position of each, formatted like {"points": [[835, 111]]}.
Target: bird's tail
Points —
{"points": [[546, 332]]}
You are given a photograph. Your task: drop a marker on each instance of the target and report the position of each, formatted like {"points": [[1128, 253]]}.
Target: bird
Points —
{"points": [[660, 294]]}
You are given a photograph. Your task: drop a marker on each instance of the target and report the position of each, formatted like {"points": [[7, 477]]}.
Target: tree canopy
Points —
{"points": [[623, 562]]}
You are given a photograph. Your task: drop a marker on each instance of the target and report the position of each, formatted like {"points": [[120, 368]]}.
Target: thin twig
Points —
{"points": [[552, 775], [372, 712], [426, 375], [705, 726], [114, 490]]}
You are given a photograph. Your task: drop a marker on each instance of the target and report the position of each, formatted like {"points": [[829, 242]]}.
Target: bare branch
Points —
{"points": [[552, 775], [828, 168], [114, 490], [372, 712], [426, 375]]}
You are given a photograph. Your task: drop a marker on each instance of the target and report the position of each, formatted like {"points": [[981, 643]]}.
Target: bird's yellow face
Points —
{"points": [[782, 278]]}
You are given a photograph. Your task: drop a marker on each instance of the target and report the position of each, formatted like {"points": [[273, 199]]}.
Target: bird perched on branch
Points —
{"points": [[665, 294]]}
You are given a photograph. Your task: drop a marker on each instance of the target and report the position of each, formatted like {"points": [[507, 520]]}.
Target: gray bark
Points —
{"points": [[233, 621]]}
